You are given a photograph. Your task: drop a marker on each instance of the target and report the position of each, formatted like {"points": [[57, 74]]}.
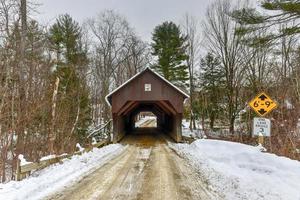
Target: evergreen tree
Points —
{"points": [[71, 58], [66, 39], [287, 12], [212, 80], [169, 46]]}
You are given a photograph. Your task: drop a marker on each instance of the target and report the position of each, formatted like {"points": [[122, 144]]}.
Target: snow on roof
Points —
{"points": [[138, 74]]}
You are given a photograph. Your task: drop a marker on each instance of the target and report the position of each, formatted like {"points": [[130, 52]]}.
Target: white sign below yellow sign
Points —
{"points": [[261, 127]]}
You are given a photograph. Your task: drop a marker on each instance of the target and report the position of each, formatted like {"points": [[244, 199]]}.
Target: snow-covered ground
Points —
{"points": [[232, 170], [239, 171], [57, 176], [143, 120], [198, 133]]}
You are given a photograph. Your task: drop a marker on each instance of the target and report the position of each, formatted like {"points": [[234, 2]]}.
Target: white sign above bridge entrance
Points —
{"points": [[261, 126]]}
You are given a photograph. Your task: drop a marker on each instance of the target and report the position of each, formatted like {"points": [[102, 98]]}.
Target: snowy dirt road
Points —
{"points": [[146, 169]]}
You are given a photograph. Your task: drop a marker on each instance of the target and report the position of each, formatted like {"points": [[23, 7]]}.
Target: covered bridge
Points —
{"points": [[147, 91]]}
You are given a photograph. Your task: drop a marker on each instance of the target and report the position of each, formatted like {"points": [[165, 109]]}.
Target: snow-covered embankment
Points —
{"points": [[239, 171], [57, 176]]}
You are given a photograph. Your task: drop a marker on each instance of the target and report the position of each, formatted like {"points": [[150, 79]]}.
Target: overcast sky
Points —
{"points": [[143, 15]]}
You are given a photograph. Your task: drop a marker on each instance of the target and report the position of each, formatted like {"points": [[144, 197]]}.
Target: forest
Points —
{"points": [[54, 77]]}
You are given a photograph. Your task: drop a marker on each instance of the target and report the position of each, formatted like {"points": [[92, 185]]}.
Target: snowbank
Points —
{"points": [[47, 157], [198, 133], [23, 160], [140, 122], [55, 177], [239, 171]]}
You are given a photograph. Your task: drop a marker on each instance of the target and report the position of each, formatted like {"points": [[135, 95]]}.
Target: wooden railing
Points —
{"points": [[24, 171]]}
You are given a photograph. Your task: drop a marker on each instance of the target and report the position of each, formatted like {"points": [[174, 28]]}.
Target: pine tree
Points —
{"points": [[73, 106], [212, 80], [66, 39], [169, 46], [287, 12]]}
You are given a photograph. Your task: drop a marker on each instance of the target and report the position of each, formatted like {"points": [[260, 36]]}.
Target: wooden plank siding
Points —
{"points": [[164, 100], [135, 91]]}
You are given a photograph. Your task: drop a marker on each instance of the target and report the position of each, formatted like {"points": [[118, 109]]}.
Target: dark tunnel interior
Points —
{"points": [[164, 119]]}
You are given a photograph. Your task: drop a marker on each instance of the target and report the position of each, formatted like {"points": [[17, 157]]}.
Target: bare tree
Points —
{"points": [[224, 42], [22, 81], [256, 59], [113, 41], [23, 75], [190, 27], [8, 10], [288, 44], [137, 57]]}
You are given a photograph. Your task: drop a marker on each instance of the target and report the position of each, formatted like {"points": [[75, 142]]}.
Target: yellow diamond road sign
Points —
{"points": [[262, 104]]}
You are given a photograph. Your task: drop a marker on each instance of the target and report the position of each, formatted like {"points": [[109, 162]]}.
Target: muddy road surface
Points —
{"points": [[147, 169]]}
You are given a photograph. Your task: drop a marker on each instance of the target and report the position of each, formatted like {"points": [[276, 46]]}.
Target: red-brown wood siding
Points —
{"points": [[135, 91]]}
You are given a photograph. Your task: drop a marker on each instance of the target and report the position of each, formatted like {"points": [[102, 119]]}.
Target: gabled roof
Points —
{"points": [[139, 74]]}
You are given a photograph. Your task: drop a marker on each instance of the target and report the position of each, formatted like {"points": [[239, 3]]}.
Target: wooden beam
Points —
{"points": [[169, 108], [157, 110], [126, 105], [161, 108], [130, 108]]}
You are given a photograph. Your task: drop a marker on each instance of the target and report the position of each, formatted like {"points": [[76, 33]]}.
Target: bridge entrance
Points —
{"points": [[147, 92]]}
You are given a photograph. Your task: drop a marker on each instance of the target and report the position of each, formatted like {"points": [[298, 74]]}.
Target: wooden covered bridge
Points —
{"points": [[147, 91]]}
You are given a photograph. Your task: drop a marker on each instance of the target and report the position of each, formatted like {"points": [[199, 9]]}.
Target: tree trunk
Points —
{"points": [[76, 119], [212, 121], [106, 110], [192, 117], [231, 125], [3, 177], [22, 93], [52, 134]]}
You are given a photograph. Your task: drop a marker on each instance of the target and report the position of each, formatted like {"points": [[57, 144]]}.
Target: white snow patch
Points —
{"points": [[79, 147], [197, 133], [145, 153], [143, 120], [56, 177], [23, 160], [94, 141], [288, 104], [239, 171], [48, 157], [261, 148]]}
